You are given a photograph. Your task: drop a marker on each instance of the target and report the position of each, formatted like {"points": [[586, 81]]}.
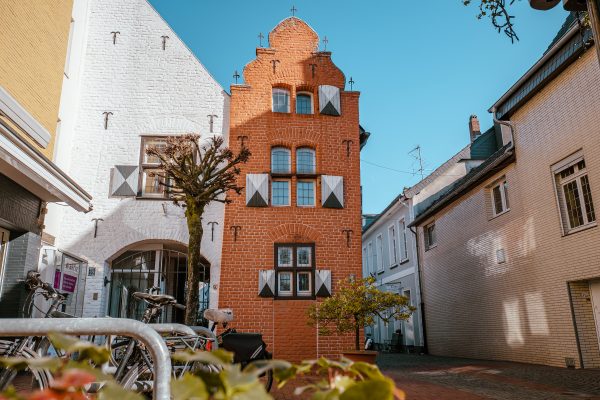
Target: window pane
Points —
{"points": [[285, 282], [303, 282], [306, 193], [281, 193], [280, 161], [284, 257], [567, 172], [305, 161], [160, 143], [587, 198], [505, 188], [281, 101], [403, 249], [497, 197], [303, 104], [573, 204], [151, 184], [303, 255]]}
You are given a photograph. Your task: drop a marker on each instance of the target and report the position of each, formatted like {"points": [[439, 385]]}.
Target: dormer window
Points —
{"points": [[304, 103], [281, 100]]}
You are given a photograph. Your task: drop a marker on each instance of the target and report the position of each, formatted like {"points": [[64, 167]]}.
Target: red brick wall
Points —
{"points": [[283, 322]]}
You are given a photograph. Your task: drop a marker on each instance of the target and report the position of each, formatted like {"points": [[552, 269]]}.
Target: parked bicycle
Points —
{"points": [[246, 347]]}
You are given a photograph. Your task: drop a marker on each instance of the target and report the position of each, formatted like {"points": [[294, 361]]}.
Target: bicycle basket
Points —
{"points": [[244, 346]]}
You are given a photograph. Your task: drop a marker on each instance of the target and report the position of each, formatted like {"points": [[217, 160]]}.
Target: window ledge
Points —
{"points": [[152, 198], [380, 271], [394, 266], [494, 216], [433, 246], [298, 297], [581, 228], [404, 261]]}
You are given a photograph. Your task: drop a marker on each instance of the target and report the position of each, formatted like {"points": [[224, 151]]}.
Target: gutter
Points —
{"points": [[549, 54]]}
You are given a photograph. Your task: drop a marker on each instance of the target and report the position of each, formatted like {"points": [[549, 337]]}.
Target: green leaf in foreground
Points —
{"points": [[189, 388]]}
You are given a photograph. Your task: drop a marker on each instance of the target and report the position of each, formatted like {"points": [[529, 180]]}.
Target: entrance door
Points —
{"points": [[409, 328], [3, 244], [595, 292]]}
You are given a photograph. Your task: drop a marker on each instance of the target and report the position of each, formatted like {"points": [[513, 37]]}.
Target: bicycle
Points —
{"points": [[246, 347]]}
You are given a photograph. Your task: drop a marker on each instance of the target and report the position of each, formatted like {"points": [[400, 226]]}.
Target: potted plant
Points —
{"points": [[354, 306]]}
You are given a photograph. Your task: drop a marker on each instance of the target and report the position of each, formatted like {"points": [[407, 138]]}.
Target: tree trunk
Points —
{"points": [[193, 214], [357, 332]]}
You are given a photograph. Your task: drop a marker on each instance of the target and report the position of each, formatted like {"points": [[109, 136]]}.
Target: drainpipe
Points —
{"points": [[421, 303]]}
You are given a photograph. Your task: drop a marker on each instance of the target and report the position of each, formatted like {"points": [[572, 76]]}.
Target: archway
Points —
{"points": [[144, 266]]}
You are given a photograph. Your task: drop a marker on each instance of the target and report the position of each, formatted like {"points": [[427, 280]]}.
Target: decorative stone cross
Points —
{"points": [[351, 82], [260, 38], [325, 41], [236, 76], [293, 11]]}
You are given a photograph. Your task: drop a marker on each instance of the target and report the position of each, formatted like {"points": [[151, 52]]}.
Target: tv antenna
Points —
{"points": [[416, 153]]}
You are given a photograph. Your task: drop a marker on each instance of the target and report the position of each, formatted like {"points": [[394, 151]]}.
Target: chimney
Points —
{"points": [[474, 129]]}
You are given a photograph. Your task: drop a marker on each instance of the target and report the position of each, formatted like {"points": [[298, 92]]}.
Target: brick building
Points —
{"points": [[285, 243], [510, 255], [34, 57]]}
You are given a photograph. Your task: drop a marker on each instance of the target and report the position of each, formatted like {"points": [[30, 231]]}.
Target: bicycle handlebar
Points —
{"points": [[33, 281]]}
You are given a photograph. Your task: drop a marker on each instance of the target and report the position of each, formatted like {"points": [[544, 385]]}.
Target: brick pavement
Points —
{"points": [[444, 378]]}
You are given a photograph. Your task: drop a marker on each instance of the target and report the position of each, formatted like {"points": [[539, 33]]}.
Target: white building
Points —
{"points": [[132, 82]]}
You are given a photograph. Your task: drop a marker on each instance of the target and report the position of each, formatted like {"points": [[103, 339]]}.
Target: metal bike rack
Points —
{"points": [[102, 326], [204, 331], [173, 329]]}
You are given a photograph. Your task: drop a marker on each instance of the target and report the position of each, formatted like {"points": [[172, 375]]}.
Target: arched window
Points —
{"points": [[304, 103], [281, 100], [305, 161], [280, 160]]}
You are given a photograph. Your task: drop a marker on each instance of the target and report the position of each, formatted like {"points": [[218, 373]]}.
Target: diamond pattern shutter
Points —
{"points": [[329, 100], [323, 283], [124, 181], [266, 283], [257, 190], [332, 191]]}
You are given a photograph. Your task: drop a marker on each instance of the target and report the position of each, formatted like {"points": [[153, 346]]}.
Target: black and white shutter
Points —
{"points": [[266, 283], [257, 190], [124, 181], [323, 283], [332, 191], [329, 100]]}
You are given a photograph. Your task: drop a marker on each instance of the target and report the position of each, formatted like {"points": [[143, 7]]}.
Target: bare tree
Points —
{"points": [[195, 173], [497, 11]]}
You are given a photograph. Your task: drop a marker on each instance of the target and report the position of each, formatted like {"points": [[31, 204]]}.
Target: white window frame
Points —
{"points": [[559, 183], [370, 261], [303, 292], [285, 292], [393, 244], [289, 200], [289, 154], [503, 186], [312, 103], [379, 251], [429, 242], [291, 257], [309, 265], [404, 242], [289, 95], [314, 183]]}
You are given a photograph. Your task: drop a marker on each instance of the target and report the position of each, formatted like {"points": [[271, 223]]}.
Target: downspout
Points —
{"points": [[422, 303]]}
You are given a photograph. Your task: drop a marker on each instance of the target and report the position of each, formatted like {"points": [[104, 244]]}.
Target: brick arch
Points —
{"points": [[293, 232], [294, 135]]}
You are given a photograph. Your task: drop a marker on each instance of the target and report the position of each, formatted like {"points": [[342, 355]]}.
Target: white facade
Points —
{"points": [[149, 91]]}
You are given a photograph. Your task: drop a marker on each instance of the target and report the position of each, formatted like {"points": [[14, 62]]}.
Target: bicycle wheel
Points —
{"points": [[26, 380], [267, 377], [139, 378]]}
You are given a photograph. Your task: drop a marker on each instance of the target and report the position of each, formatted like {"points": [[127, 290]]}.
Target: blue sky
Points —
{"points": [[422, 71]]}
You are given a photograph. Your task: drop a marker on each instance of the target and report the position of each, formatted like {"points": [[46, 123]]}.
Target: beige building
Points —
{"points": [[511, 252], [34, 59]]}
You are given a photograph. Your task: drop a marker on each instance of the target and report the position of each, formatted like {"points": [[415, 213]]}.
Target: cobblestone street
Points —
{"points": [[442, 378]]}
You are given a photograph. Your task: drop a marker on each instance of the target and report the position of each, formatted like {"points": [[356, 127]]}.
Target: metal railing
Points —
{"points": [[103, 326]]}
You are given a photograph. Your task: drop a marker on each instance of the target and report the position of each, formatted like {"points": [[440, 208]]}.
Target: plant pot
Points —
{"points": [[367, 356]]}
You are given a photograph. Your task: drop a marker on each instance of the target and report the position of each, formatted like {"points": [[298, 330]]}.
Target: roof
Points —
{"points": [[570, 42], [461, 186], [363, 136], [377, 217]]}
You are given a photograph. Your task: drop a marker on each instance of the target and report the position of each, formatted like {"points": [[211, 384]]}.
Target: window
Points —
{"points": [[280, 160], [575, 195], [306, 193], [151, 182], [365, 261], [430, 239], [393, 245], [403, 241], [280, 193], [370, 260], [379, 250], [305, 161], [281, 100], [295, 269], [499, 193], [304, 104]]}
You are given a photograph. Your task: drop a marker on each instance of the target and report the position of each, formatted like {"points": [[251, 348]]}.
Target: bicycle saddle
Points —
{"points": [[155, 299], [219, 315]]}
